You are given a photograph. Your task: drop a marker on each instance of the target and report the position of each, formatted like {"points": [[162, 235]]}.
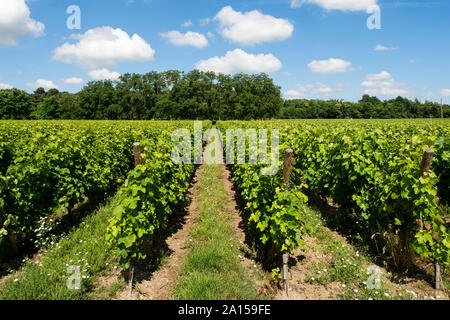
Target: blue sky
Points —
{"points": [[311, 48]]}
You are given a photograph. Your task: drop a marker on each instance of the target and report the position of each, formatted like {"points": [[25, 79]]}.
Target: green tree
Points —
{"points": [[49, 109], [15, 104]]}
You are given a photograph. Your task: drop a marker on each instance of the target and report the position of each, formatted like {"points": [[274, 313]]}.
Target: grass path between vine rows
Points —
{"points": [[206, 256], [216, 267]]}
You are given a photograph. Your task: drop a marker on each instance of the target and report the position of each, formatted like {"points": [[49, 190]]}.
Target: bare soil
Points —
{"points": [[299, 289]]}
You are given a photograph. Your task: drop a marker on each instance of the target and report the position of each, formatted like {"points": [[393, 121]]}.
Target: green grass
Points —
{"points": [[212, 269], [108, 292], [46, 278]]}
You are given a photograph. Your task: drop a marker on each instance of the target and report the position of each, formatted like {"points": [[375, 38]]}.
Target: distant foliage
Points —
{"points": [[176, 95], [366, 108], [171, 95]]}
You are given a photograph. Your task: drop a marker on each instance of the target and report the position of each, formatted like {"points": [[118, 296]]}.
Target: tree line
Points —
{"points": [[176, 95], [170, 95], [366, 108]]}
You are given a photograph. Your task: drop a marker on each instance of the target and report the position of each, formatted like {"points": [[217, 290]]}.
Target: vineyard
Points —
{"points": [[49, 167], [368, 171]]}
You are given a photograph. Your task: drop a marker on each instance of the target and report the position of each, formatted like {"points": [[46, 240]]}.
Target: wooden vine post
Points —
{"points": [[287, 169], [424, 168], [137, 161], [13, 243], [426, 162], [137, 153]]}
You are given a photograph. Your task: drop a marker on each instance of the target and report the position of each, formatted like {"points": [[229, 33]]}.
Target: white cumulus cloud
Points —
{"points": [[383, 84], [4, 86], [380, 47], [205, 21], [73, 81], [15, 22], [103, 74], [42, 83], [293, 94], [297, 3], [383, 75], [319, 89], [252, 27], [104, 47], [322, 90], [331, 65], [299, 92], [194, 39], [445, 92], [344, 5], [187, 24], [240, 61]]}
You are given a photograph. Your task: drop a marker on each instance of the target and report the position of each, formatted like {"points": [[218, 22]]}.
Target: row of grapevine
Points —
{"points": [[369, 168], [50, 166], [152, 192], [372, 171], [274, 211]]}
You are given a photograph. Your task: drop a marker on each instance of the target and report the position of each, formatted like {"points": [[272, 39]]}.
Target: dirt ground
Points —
{"points": [[299, 289]]}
